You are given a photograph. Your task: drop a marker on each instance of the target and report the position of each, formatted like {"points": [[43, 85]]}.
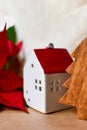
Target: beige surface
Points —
{"points": [[18, 120]]}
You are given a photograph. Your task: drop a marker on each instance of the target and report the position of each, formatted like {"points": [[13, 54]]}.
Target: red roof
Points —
{"points": [[53, 60]]}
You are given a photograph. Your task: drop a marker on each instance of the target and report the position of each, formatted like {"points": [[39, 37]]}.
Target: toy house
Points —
{"points": [[44, 73]]}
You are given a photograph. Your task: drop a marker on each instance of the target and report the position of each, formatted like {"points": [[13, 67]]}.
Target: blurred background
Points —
{"points": [[39, 22]]}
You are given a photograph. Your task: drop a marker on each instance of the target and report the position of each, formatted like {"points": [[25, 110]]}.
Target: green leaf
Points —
{"points": [[11, 34]]}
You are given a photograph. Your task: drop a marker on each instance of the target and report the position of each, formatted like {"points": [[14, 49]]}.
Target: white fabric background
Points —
{"points": [[38, 22]]}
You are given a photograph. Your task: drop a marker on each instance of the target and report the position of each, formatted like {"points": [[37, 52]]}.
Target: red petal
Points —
{"points": [[13, 99], [3, 47], [14, 49], [10, 80]]}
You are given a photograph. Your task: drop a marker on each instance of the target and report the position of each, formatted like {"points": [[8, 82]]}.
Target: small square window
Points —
{"points": [[40, 89], [52, 82], [58, 81], [58, 88], [32, 65], [29, 99], [51, 89], [35, 80], [39, 81], [35, 86], [26, 91]]}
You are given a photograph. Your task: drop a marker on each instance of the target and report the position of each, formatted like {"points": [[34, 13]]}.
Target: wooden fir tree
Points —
{"points": [[76, 94]]}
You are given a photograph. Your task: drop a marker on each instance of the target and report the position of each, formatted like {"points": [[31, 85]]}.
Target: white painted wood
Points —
{"points": [[34, 97]]}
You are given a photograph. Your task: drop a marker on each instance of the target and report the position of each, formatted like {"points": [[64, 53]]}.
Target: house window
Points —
{"points": [[26, 91], [32, 65], [39, 81], [59, 88], [51, 89], [29, 99], [55, 85], [36, 81], [40, 89], [52, 82], [38, 85], [58, 82], [35, 86]]}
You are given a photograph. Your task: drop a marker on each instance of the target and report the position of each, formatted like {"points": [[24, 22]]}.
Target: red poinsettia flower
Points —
{"points": [[13, 62], [14, 49], [10, 82], [4, 52]]}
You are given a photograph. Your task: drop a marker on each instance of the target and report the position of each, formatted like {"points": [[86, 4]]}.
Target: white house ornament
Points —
{"points": [[44, 74]]}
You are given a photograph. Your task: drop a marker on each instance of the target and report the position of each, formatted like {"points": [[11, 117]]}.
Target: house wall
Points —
{"points": [[34, 83], [54, 90], [38, 22]]}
